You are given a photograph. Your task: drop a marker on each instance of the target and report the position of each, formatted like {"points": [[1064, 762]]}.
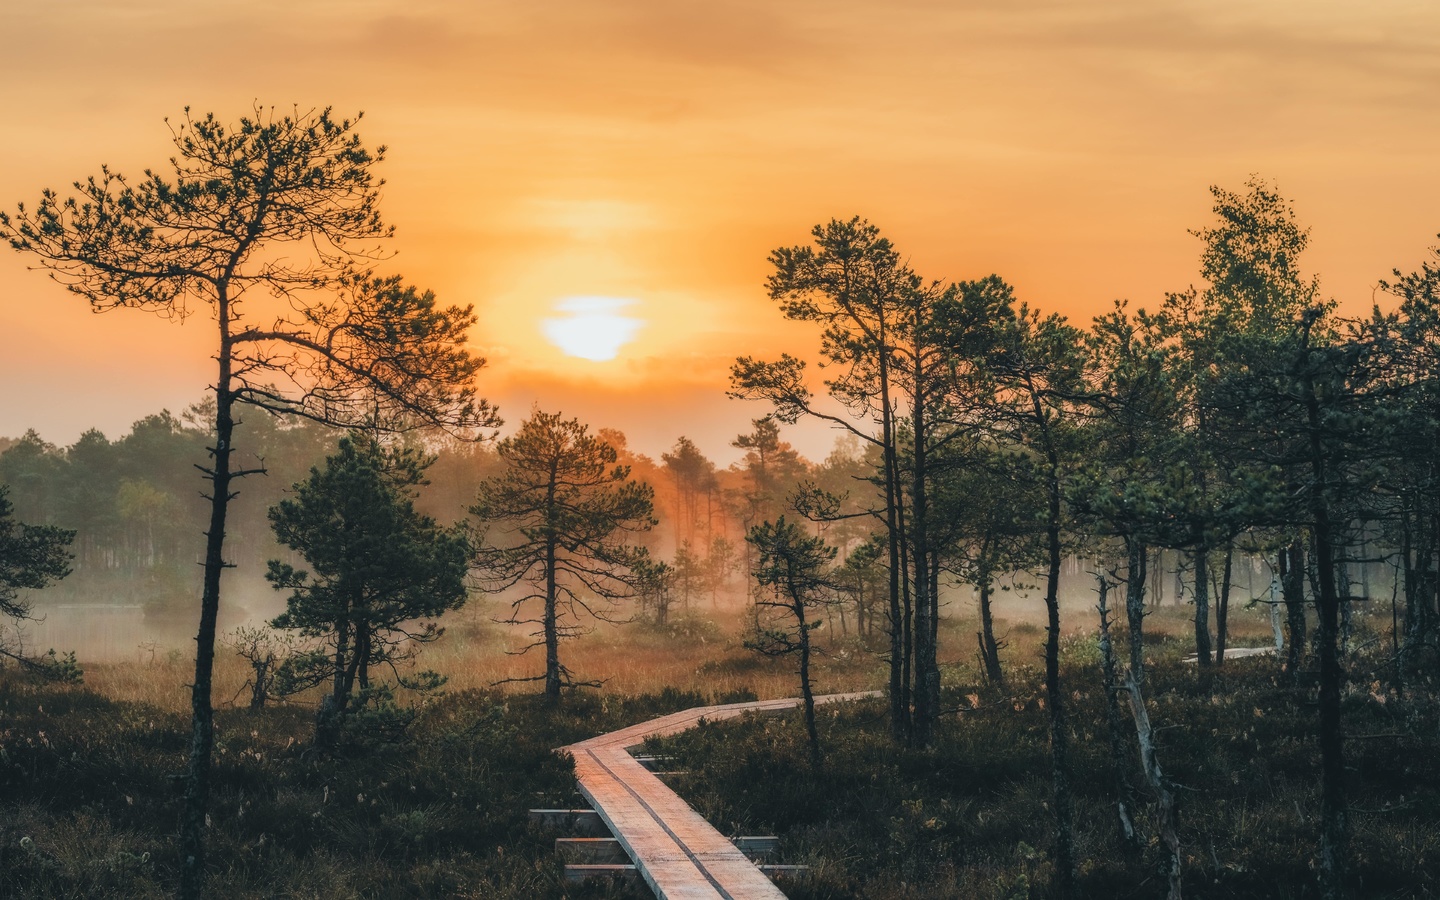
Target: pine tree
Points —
{"points": [[378, 569], [556, 520]]}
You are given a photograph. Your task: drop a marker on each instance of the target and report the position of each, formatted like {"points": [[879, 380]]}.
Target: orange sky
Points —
{"points": [[657, 150]]}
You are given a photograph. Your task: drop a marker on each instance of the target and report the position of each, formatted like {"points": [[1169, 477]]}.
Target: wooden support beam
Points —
{"points": [[653, 763], [757, 847], [585, 822], [586, 872], [591, 851], [794, 873]]}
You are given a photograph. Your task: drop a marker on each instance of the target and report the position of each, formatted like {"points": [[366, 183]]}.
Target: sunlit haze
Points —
{"points": [[547, 155], [593, 328]]}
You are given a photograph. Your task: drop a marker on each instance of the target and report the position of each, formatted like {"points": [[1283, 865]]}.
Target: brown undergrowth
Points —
{"points": [[969, 817], [89, 803]]}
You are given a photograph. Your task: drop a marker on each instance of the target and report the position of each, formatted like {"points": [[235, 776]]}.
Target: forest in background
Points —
{"points": [[135, 506]]}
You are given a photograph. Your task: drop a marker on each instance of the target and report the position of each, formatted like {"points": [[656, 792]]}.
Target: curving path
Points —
{"points": [[679, 854]]}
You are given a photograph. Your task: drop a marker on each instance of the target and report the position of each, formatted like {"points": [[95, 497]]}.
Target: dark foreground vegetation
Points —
{"points": [[967, 817], [88, 799]]}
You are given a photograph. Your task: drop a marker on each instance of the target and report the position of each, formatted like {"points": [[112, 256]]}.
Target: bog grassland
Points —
{"points": [[89, 800]]}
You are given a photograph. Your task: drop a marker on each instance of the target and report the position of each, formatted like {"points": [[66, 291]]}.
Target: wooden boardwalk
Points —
{"points": [[679, 854]]}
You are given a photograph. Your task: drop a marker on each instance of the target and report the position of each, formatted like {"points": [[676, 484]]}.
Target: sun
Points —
{"points": [[591, 327]]}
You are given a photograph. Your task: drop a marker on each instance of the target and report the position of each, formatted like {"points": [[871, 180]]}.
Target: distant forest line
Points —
{"points": [[135, 503]]}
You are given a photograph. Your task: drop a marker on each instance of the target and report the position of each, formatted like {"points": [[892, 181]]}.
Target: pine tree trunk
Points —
{"points": [[1157, 579], [907, 649], [1119, 755], [551, 627], [989, 648], [1135, 576], [363, 635], [805, 689], [1169, 830], [1334, 829], [927, 671], [332, 705], [1065, 887], [1202, 609], [899, 624], [1347, 620], [259, 690], [342, 660], [1292, 585], [1222, 606], [202, 714]]}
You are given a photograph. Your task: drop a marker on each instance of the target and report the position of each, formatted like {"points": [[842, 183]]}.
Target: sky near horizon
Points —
{"points": [[555, 158]]}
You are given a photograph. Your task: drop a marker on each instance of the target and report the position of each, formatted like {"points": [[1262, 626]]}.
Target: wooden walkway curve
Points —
{"points": [[678, 853]]}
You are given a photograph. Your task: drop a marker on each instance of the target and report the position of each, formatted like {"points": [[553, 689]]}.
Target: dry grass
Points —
{"points": [[693, 655], [699, 654]]}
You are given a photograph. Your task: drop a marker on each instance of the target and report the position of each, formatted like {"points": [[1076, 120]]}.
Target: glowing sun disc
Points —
{"points": [[591, 327]]}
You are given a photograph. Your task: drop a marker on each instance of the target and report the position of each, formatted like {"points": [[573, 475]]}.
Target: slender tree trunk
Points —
{"points": [[805, 689], [860, 607], [1202, 608], [1334, 835], [1169, 832], [899, 619], [202, 715], [1292, 586], [934, 568], [989, 648], [551, 626], [899, 672], [1222, 605], [927, 671], [1157, 580], [332, 705], [1342, 586], [1119, 755], [363, 634], [347, 690], [1334, 830], [1413, 607], [907, 612], [1429, 586], [259, 691], [1429, 582], [1138, 555], [1059, 728], [342, 661]]}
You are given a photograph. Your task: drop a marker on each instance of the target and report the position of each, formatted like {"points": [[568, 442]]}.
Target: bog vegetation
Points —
{"points": [[1026, 528]]}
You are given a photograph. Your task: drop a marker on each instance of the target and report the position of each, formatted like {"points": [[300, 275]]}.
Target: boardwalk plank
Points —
{"points": [[678, 853]]}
